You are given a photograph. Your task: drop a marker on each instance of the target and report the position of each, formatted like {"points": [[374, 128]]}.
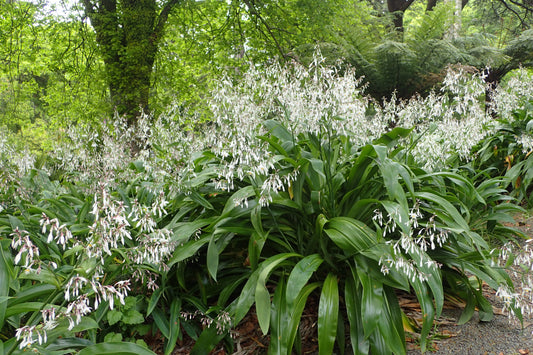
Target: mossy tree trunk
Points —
{"points": [[128, 34]]}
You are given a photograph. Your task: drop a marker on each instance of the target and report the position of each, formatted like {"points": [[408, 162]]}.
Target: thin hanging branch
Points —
{"points": [[253, 11]]}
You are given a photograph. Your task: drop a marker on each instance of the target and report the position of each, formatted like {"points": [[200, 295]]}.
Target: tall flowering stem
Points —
{"points": [[115, 228]]}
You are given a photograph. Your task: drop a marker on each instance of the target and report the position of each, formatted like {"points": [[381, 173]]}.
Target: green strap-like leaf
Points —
{"points": [[428, 311], [351, 235], [5, 280], [174, 325], [187, 250], [434, 278], [237, 197], [262, 296], [161, 322], [154, 300], [295, 315], [199, 199], [328, 313], [31, 293], [279, 321], [372, 302], [390, 325], [452, 218], [212, 257], [353, 297], [300, 275]]}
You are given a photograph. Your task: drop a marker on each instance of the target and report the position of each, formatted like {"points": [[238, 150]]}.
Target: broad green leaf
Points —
{"points": [[86, 323], [61, 331], [113, 316], [469, 309], [454, 217], [328, 313], [353, 298], [459, 180], [316, 174], [212, 257], [399, 213], [486, 313], [229, 289], [300, 275], [391, 172], [279, 320], [390, 325], [278, 130], [183, 252], [351, 235], [255, 218], [45, 276], [434, 278], [428, 310], [132, 316], [239, 196], [68, 343], [16, 223], [199, 199], [32, 292], [242, 304], [73, 250], [262, 296], [278, 148], [341, 340], [161, 322], [65, 211], [372, 302], [255, 246], [184, 230], [295, 315], [390, 138]]}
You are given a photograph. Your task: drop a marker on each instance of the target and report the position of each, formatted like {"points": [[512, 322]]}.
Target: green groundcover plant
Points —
{"points": [[508, 151], [298, 187], [70, 260], [355, 225]]}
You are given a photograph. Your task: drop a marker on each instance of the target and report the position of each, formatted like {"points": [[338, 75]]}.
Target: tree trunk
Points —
{"points": [[457, 17], [397, 8], [455, 23], [128, 34], [432, 3]]}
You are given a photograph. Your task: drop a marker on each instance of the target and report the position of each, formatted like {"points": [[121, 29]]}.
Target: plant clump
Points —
{"points": [[298, 185]]}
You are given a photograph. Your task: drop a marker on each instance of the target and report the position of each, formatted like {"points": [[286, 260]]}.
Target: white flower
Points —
{"points": [[77, 309], [26, 334]]}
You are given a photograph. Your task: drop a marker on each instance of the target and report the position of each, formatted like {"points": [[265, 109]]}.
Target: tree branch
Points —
{"points": [[522, 5], [522, 21], [398, 5], [162, 19], [254, 11]]}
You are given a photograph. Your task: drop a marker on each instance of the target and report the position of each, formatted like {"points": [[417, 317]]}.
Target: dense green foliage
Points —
{"points": [[388, 163], [56, 71], [295, 190]]}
